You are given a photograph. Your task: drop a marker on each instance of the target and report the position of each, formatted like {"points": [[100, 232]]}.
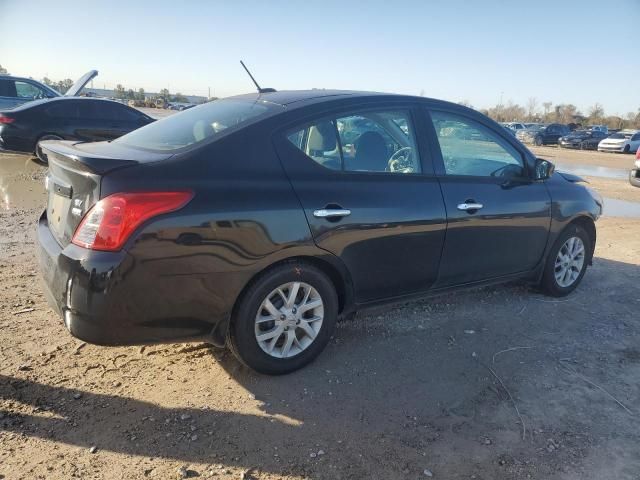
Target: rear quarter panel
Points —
{"points": [[244, 217]]}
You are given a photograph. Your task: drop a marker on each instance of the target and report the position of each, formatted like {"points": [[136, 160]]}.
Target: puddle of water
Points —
{"points": [[21, 182], [594, 171], [621, 208]]}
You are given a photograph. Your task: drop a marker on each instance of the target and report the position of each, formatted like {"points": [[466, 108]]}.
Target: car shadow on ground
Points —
{"points": [[474, 383]]}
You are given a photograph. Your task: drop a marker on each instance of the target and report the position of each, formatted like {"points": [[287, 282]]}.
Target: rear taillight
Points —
{"points": [[111, 221], [6, 120], [638, 154]]}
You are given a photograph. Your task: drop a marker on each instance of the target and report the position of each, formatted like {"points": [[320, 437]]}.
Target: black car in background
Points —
{"points": [[66, 118], [547, 135], [257, 221], [582, 139]]}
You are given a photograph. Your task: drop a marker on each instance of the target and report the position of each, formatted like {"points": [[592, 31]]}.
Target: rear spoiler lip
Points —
{"points": [[66, 153]]}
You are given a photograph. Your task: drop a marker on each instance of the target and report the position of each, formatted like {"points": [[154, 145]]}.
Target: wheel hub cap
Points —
{"points": [[289, 319], [569, 262]]}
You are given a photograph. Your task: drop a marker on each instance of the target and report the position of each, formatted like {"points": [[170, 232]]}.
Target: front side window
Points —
{"points": [[198, 124], [381, 141], [469, 148], [28, 90]]}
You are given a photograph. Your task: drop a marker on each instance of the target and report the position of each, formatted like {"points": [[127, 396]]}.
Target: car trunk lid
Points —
{"points": [[75, 174], [81, 83]]}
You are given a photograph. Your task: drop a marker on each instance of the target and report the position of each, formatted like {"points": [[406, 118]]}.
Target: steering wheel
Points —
{"points": [[400, 161]]}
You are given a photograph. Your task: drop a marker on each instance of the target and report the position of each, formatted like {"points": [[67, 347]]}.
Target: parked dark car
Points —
{"points": [[547, 135], [66, 118], [16, 91], [582, 139], [259, 220]]}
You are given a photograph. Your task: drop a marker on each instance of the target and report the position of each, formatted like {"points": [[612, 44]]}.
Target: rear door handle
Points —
{"points": [[331, 212], [470, 206]]}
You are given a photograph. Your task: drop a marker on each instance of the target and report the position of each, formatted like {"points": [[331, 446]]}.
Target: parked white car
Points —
{"points": [[624, 141]]}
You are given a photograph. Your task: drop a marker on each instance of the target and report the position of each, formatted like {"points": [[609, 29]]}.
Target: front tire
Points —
{"points": [[537, 141], [567, 262], [285, 319]]}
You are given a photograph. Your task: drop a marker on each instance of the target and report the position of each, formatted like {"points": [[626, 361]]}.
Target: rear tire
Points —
{"points": [[270, 316], [567, 262]]}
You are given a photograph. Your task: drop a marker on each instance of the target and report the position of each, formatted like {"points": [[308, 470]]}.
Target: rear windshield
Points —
{"points": [[198, 124]]}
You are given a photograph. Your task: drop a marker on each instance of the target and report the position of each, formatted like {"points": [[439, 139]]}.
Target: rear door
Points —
{"points": [[498, 219], [369, 195]]}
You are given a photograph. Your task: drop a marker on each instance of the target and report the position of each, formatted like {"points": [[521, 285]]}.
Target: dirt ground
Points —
{"points": [[494, 383]]}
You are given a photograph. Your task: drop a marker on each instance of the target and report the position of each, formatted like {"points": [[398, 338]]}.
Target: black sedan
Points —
{"points": [[582, 139], [547, 135], [258, 221], [66, 118]]}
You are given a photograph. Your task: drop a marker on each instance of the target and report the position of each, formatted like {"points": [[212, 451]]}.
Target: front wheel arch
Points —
{"points": [[589, 226]]}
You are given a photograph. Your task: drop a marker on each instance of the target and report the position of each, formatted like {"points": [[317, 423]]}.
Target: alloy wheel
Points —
{"points": [[569, 262], [289, 319]]}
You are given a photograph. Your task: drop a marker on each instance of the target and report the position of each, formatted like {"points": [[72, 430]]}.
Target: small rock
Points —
{"points": [[25, 367], [313, 455], [469, 332], [93, 449], [183, 472], [185, 416], [487, 441], [320, 452], [428, 472], [116, 384], [194, 438], [77, 396]]}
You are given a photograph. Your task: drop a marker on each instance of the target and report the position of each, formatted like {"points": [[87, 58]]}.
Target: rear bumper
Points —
{"points": [[102, 302]]}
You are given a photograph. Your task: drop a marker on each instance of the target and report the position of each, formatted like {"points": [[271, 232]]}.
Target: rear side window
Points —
{"points": [[63, 109], [471, 149], [198, 124], [382, 141]]}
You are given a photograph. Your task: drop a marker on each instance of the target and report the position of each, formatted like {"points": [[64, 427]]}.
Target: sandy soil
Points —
{"points": [[495, 383]]}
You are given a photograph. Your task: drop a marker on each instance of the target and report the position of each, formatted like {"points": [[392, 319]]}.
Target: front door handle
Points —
{"points": [[469, 206], [331, 212]]}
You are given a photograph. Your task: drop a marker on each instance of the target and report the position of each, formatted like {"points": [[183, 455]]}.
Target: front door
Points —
{"points": [[370, 197], [498, 218]]}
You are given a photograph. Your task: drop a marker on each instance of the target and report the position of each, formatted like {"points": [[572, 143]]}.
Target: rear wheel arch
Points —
{"points": [[341, 280]]}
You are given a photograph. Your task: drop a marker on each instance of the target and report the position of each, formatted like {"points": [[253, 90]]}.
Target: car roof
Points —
{"points": [[287, 98], [36, 103], [13, 77]]}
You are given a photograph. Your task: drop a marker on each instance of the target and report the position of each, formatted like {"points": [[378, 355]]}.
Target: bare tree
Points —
{"points": [[532, 106], [596, 113], [547, 108]]}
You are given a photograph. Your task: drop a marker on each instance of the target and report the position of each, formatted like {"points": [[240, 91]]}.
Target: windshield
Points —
{"points": [[620, 135], [197, 124]]}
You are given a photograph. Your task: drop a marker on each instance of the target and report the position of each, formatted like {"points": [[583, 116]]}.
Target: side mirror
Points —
{"points": [[544, 169]]}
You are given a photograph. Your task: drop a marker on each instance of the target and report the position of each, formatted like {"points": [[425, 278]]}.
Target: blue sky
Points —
{"points": [[580, 52]]}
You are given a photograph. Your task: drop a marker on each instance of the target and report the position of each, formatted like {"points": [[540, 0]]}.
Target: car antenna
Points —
{"points": [[260, 90]]}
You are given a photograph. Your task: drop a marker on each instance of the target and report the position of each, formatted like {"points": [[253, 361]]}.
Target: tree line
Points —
{"points": [[547, 112]]}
